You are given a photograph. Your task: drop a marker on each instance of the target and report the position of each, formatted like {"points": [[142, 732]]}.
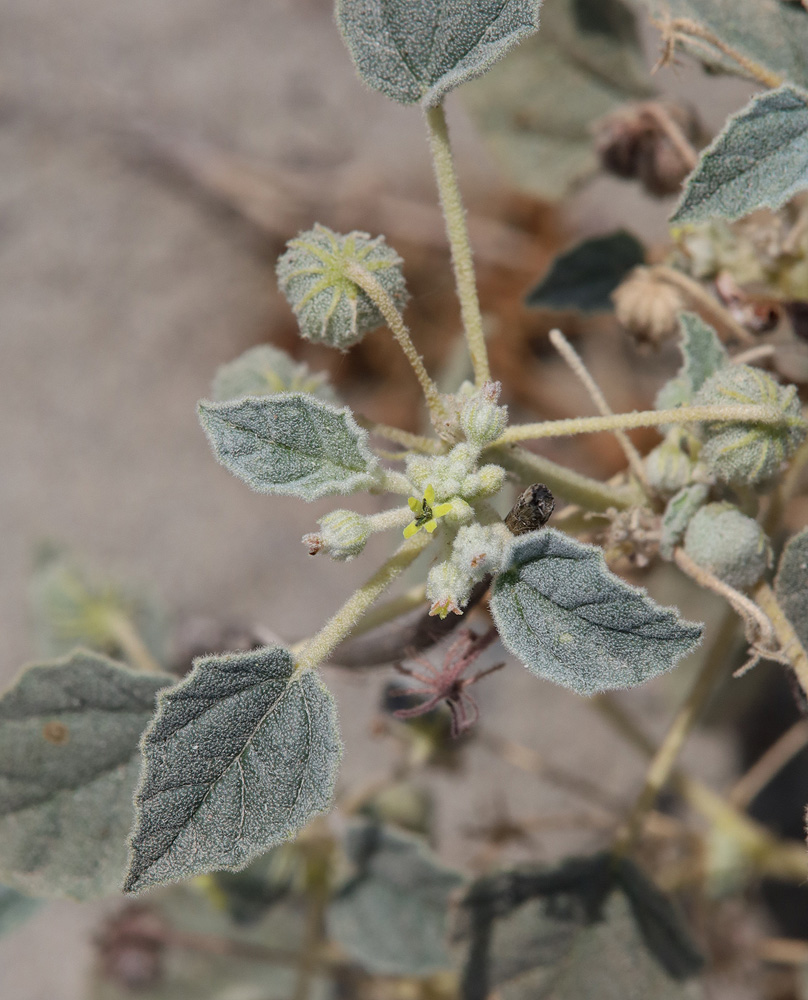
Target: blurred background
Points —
{"points": [[154, 158]]}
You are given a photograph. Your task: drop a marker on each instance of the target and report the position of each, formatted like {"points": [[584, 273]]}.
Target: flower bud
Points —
{"points": [[486, 482], [749, 453], [647, 307], [482, 420], [448, 587], [670, 465], [481, 549], [330, 307], [729, 544], [343, 534]]}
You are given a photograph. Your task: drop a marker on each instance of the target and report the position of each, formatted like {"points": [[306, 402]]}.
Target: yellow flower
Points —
{"points": [[426, 516]]}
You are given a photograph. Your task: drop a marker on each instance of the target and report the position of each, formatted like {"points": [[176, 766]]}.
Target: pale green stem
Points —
{"points": [[314, 651], [576, 364], [375, 291], [131, 644], [789, 641], [564, 483], [650, 418], [391, 609], [664, 760], [686, 26], [699, 297], [769, 855], [457, 232], [413, 442]]}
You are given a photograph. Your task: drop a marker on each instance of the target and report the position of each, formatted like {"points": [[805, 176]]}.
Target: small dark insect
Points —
{"points": [[531, 511], [447, 683]]}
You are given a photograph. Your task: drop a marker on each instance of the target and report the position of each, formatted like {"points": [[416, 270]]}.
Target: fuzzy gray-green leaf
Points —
{"points": [[570, 620], [69, 763], [290, 444], [392, 915], [266, 371], [416, 51], [15, 908], [759, 160], [791, 585], [240, 756], [703, 352]]}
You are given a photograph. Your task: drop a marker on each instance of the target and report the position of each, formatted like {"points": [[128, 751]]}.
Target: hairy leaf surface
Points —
{"points": [[570, 620], [418, 50], [392, 915], [291, 444], [759, 160], [585, 276], [537, 108], [791, 584], [771, 33], [240, 756], [589, 928], [69, 763], [266, 371], [702, 351]]}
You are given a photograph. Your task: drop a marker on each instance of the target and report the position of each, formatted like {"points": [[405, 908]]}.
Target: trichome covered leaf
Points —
{"points": [[69, 763], [585, 276], [265, 371], [290, 444], [570, 620], [416, 51], [240, 756], [15, 908], [791, 584], [392, 915], [759, 160]]}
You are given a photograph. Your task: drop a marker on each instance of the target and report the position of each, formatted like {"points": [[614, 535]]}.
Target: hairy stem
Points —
{"points": [[664, 760], [751, 414], [706, 303], [315, 650], [413, 442], [683, 26], [132, 645], [576, 364], [457, 232], [374, 289], [790, 644], [570, 486]]}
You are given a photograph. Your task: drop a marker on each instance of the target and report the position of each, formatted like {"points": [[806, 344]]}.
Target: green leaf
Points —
{"points": [[15, 908], [291, 444], [416, 51], [391, 917], [759, 160], [771, 33], [791, 584], [265, 371], [241, 755], [71, 607], [69, 764], [702, 351], [591, 929], [570, 620], [585, 276], [536, 110], [681, 508]]}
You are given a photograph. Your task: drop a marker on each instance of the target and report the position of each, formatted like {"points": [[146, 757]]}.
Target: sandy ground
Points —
{"points": [[121, 293]]}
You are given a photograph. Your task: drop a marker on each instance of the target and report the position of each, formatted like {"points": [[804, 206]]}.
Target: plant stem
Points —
{"points": [[315, 650], [664, 760], [374, 289], [576, 364], [132, 645], [413, 442], [701, 298], [770, 855], [751, 414], [457, 232], [783, 750], [571, 486], [790, 644], [685, 26]]}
